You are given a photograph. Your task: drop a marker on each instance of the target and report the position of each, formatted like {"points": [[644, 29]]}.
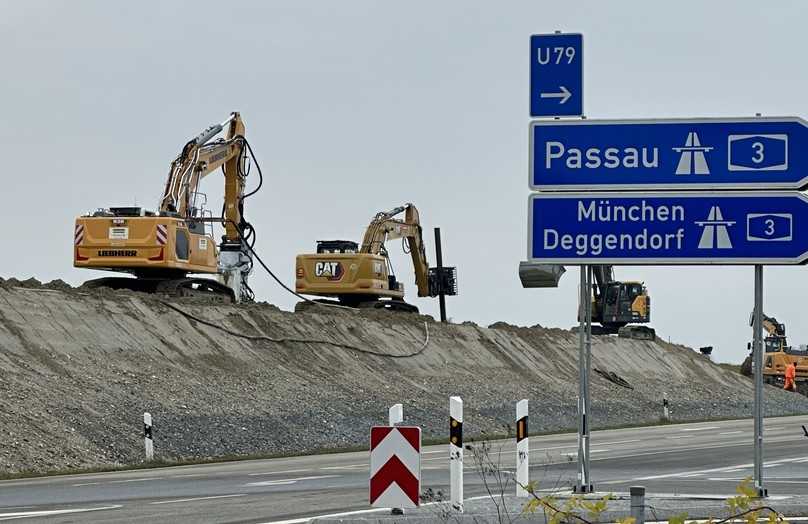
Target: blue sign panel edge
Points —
{"points": [[581, 261], [802, 183]]}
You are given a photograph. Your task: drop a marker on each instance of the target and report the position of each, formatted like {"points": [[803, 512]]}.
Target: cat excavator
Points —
{"points": [[616, 305], [164, 249], [361, 276], [777, 355]]}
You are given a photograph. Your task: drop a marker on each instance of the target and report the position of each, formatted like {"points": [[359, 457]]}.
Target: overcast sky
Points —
{"points": [[354, 107]]}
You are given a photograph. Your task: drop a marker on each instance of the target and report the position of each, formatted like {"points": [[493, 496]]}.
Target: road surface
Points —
{"points": [[702, 458]]}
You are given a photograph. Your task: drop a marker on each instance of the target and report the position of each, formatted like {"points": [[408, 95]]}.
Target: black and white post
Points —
{"points": [[666, 413], [522, 449], [757, 358], [147, 436], [456, 452]]}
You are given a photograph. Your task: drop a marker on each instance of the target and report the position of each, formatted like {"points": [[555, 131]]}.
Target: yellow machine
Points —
{"points": [[361, 276], [778, 355], [162, 248], [616, 305]]}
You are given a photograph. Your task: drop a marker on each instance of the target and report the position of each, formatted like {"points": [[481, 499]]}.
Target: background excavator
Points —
{"points": [[163, 248], [361, 275], [777, 355], [616, 305]]}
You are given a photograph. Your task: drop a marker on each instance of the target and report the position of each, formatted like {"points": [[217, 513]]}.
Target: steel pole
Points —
{"points": [[583, 466], [758, 365], [587, 372], [439, 257]]}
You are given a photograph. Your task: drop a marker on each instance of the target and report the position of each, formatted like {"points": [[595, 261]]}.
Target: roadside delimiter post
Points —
{"points": [[147, 436], [522, 449], [456, 452]]}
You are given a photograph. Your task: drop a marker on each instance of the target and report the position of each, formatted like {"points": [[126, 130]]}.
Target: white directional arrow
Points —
{"points": [[564, 95]]}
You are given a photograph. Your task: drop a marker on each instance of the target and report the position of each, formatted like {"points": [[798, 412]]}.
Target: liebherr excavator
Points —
{"points": [[616, 305], [361, 275], [777, 355], [161, 249]]}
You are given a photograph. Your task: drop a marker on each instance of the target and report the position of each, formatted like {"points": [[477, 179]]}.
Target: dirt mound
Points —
{"points": [[78, 369]]}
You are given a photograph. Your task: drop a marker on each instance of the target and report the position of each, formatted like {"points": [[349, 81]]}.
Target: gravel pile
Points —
{"points": [[79, 368]]}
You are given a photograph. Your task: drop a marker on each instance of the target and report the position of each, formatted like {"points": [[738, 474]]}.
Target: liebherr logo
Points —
{"points": [[693, 161]]}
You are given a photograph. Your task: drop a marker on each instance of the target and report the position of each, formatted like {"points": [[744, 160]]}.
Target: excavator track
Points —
{"points": [[173, 287]]}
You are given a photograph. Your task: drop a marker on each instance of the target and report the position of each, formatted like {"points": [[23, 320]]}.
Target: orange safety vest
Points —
{"points": [[791, 371]]}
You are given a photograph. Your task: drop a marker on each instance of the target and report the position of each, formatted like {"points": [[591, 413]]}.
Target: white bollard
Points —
{"points": [[396, 414], [666, 415], [147, 436], [456, 451], [522, 449]]}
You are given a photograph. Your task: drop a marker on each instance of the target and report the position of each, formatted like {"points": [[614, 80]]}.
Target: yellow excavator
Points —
{"points": [[361, 276], [616, 305], [163, 249], [777, 355]]}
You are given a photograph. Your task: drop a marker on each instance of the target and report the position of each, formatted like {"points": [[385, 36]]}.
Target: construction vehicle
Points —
{"points": [[616, 305], [164, 249], [777, 355], [361, 276]]}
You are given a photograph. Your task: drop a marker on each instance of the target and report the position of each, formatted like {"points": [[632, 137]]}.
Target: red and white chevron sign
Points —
{"points": [[395, 466]]}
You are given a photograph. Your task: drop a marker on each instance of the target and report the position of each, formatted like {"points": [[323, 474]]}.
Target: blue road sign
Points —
{"points": [[736, 153], [668, 229], [557, 75]]}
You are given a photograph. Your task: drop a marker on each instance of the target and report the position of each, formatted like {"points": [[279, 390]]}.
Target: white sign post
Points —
{"points": [[456, 451], [396, 414], [522, 449]]}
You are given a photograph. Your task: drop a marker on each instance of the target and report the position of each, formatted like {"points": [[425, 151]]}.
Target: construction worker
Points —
{"points": [[791, 374]]}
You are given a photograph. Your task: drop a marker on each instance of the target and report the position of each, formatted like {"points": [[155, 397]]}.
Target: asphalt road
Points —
{"points": [[700, 459]]}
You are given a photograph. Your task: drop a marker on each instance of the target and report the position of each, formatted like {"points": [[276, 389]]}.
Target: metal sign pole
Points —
{"points": [[587, 370], [758, 361], [584, 303]]}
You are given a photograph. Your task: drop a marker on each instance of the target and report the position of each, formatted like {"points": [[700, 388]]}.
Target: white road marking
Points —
{"points": [[198, 498], [117, 481], [619, 442], [28, 514], [591, 451], [284, 482], [348, 466], [730, 432], [680, 436], [701, 429], [280, 472]]}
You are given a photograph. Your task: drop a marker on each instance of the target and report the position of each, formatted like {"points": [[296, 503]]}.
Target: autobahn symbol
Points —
{"points": [[693, 161], [666, 228], [715, 234], [670, 154], [395, 466]]}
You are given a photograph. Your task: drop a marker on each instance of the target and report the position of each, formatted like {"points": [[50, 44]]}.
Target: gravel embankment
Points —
{"points": [[79, 369]]}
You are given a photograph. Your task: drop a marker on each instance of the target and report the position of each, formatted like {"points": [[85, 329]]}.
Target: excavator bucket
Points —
{"points": [[540, 275]]}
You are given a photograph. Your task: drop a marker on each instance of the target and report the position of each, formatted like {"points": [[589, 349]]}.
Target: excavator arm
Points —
{"points": [[198, 159], [385, 226]]}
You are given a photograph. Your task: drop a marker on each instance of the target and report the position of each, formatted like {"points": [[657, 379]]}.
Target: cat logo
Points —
{"points": [[329, 270]]}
